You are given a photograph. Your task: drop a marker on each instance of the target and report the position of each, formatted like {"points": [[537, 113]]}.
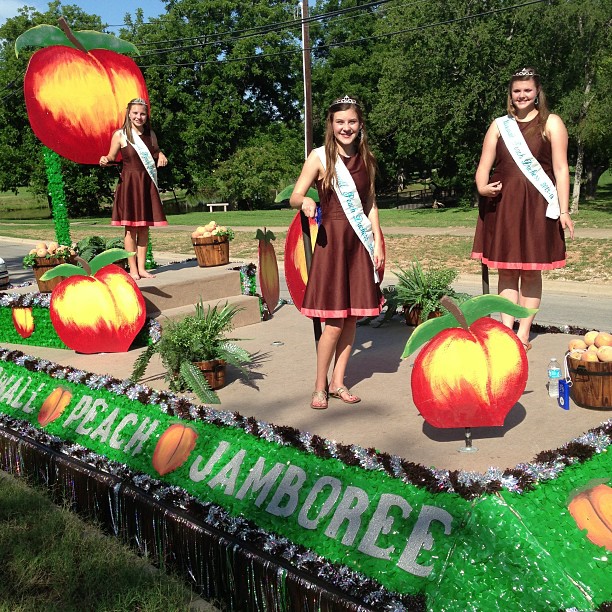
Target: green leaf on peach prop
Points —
{"points": [[285, 194], [87, 268], [473, 309], [48, 35]]}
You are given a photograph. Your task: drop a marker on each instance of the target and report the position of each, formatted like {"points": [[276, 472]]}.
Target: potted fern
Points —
{"points": [[89, 247], [195, 352], [420, 291]]}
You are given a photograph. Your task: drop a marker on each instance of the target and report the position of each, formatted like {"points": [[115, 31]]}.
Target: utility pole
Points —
{"points": [[307, 81]]}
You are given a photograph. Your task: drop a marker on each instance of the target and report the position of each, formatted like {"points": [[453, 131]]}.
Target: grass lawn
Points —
{"points": [[54, 561], [588, 260]]}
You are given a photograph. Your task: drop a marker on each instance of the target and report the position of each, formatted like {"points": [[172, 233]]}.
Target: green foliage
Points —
{"points": [[250, 177], [472, 309], [199, 337], [89, 247], [421, 289]]}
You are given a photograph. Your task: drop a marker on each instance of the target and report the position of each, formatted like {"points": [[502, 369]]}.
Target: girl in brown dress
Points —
{"points": [[137, 203], [342, 282], [513, 233]]}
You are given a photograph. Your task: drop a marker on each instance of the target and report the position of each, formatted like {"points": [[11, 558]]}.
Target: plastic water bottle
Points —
{"points": [[554, 375]]}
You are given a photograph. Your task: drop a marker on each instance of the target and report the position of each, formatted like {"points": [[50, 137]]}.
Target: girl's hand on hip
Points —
{"points": [[491, 190]]}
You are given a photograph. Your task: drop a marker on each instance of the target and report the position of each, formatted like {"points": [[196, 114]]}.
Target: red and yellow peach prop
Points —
{"points": [[77, 87], [473, 369], [97, 308]]}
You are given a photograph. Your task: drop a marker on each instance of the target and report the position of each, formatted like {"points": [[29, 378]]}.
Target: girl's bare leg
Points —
{"points": [[344, 348], [130, 242], [141, 252], [530, 296]]}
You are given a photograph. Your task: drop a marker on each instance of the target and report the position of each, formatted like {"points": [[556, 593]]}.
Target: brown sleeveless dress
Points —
{"points": [[341, 279], [513, 231], [137, 202]]}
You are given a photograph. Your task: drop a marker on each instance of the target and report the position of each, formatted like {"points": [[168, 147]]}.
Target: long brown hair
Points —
{"points": [[331, 146], [526, 74], [127, 124]]}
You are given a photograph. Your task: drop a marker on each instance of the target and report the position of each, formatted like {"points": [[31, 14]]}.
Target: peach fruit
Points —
{"points": [[577, 343], [589, 337], [603, 339]]}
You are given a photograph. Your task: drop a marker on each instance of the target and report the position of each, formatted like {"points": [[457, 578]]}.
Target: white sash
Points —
{"points": [[145, 155], [529, 165], [347, 193]]}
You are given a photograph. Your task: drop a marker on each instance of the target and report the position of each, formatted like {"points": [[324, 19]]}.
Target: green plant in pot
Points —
{"points": [[197, 339], [420, 291], [89, 247]]}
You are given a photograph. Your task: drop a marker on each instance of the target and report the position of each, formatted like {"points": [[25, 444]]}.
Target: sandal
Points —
{"points": [[319, 400], [527, 346], [343, 390]]}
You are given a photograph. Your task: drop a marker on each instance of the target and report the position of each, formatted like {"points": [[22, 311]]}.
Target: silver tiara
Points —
{"points": [[525, 72], [137, 101], [345, 100]]}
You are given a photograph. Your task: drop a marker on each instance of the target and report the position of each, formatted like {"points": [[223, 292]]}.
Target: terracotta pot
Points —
{"points": [[413, 317], [213, 371], [213, 251]]}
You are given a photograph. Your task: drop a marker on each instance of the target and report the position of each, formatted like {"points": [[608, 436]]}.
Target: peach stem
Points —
{"points": [[455, 311], [70, 36]]}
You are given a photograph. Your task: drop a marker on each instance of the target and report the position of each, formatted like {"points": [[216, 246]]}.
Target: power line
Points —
{"points": [[263, 29], [356, 41]]}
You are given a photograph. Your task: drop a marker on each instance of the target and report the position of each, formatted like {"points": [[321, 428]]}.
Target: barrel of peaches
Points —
{"points": [[589, 364]]}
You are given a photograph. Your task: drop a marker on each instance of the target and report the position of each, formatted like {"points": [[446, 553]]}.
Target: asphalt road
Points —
{"points": [[584, 305]]}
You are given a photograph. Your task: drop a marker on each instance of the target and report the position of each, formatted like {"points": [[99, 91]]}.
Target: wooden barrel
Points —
{"points": [[42, 265], [213, 371], [591, 383], [213, 251]]}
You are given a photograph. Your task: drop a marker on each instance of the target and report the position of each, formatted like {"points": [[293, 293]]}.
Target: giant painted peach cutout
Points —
{"points": [[76, 89], [473, 369], [98, 308]]}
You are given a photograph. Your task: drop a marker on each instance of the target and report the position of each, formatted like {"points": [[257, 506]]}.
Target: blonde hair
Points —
{"points": [[127, 124], [331, 146], [527, 74]]}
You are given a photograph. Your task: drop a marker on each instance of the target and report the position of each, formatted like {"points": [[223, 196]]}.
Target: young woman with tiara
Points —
{"points": [[343, 283], [137, 203], [524, 204]]}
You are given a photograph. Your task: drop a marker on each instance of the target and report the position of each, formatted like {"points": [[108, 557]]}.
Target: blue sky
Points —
{"points": [[111, 11]]}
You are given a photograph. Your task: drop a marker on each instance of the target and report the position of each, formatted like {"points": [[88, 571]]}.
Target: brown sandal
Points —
{"points": [[338, 395], [319, 400], [527, 346]]}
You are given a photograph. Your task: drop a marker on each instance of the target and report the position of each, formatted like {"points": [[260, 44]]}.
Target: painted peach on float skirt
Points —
{"points": [[592, 511], [23, 322]]}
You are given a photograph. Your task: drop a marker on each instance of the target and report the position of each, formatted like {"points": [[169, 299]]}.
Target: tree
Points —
{"points": [[253, 175], [217, 73], [575, 42]]}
